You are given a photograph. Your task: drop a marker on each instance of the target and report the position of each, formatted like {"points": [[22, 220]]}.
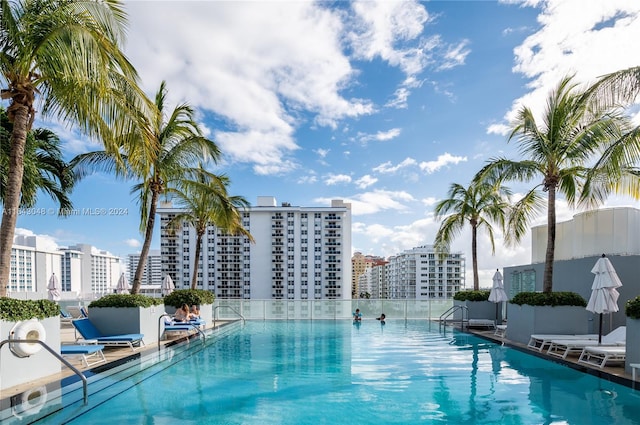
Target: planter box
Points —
{"points": [[15, 370], [480, 310], [128, 320], [206, 312], [526, 320], [633, 348]]}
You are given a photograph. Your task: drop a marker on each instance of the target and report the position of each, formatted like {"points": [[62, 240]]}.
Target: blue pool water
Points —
{"points": [[335, 372]]}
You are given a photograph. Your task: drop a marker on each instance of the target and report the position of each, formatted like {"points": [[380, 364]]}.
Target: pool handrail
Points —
{"points": [[229, 307], [464, 311], [56, 355]]}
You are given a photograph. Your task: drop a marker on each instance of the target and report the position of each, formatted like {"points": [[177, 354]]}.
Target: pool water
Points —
{"points": [[337, 372]]}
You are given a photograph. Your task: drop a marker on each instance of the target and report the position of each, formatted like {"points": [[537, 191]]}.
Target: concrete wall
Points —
{"points": [[15, 370], [127, 320], [575, 276]]}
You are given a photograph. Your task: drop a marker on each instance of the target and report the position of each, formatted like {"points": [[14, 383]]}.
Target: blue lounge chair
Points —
{"points": [[90, 333], [85, 351]]}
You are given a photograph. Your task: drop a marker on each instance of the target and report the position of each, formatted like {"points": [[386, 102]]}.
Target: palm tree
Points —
{"points": [[44, 168], [480, 205], [205, 202], [165, 149], [573, 131], [67, 53]]}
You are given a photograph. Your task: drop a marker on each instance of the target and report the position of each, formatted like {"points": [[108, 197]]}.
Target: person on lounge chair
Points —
{"points": [[182, 314]]}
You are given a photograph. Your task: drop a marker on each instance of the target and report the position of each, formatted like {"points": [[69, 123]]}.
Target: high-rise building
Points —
{"points": [[33, 261], [360, 264], [299, 253], [99, 270], [152, 273], [421, 273]]}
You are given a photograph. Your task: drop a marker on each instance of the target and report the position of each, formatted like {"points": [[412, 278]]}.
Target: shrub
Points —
{"points": [[189, 297], [125, 300], [12, 310], [472, 296], [632, 308], [549, 298]]}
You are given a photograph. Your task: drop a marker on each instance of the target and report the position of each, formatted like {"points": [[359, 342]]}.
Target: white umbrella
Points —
{"points": [[167, 285], [54, 288], [123, 285], [497, 294], [604, 296]]}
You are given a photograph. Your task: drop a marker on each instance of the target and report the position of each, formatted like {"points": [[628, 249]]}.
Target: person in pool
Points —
{"points": [[357, 316], [381, 318]]}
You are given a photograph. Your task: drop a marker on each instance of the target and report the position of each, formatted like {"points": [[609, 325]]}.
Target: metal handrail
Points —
{"points": [[453, 309], [232, 309], [193, 325], [56, 355]]}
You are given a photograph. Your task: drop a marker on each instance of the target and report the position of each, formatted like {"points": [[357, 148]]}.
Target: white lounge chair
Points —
{"points": [[539, 342], [481, 323], [564, 347], [599, 356]]}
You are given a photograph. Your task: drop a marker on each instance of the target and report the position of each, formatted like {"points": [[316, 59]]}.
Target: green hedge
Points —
{"points": [[549, 298], [632, 308], [12, 310], [189, 297], [472, 296], [125, 300]]}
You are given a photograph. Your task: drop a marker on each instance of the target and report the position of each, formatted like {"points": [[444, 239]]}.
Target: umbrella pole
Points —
{"points": [[600, 331]]}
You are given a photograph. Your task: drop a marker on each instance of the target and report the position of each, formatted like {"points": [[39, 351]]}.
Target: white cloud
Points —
{"points": [[442, 161], [333, 179], [380, 136], [366, 181], [400, 98], [588, 38], [388, 168], [376, 201], [253, 64], [307, 179], [429, 202], [499, 129], [455, 55], [132, 243], [322, 153]]}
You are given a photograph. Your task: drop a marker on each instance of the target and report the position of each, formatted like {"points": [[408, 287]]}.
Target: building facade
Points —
{"points": [[298, 253], [98, 270], [33, 262], [360, 264], [420, 273], [152, 273]]}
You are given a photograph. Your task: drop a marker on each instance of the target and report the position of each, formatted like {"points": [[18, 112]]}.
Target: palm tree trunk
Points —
{"points": [[547, 280], [474, 256], [146, 246], [12, 195], [194, 278]]}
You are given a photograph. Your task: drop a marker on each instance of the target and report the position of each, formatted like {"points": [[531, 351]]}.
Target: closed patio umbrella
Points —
{"points": [[123, 285], [54, 288], [497, 294], [167, 285], [604, 295]]}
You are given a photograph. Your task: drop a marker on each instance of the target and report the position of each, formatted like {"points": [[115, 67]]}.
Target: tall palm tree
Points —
{"points": [[67, 53], [558, 150], [165, 149], [205, 202], [480, 204], [44, 168]]}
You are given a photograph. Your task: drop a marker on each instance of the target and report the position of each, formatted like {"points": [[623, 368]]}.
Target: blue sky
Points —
{"points": [[383, 104]]}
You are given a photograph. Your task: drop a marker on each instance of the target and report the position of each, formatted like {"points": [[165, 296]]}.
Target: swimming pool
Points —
{"points": [[335, 372]]}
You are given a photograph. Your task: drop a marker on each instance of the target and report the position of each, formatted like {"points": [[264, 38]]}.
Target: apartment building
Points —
{"points": [[360, 264], [420, 273], [89, 271], [152, 273], [299, 253], [33, 261]]}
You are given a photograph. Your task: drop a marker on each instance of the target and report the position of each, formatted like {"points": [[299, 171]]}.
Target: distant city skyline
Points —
{"points": [[382, 104]]}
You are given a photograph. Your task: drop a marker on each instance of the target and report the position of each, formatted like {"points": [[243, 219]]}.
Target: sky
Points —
{"points": [[383, 104]]}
